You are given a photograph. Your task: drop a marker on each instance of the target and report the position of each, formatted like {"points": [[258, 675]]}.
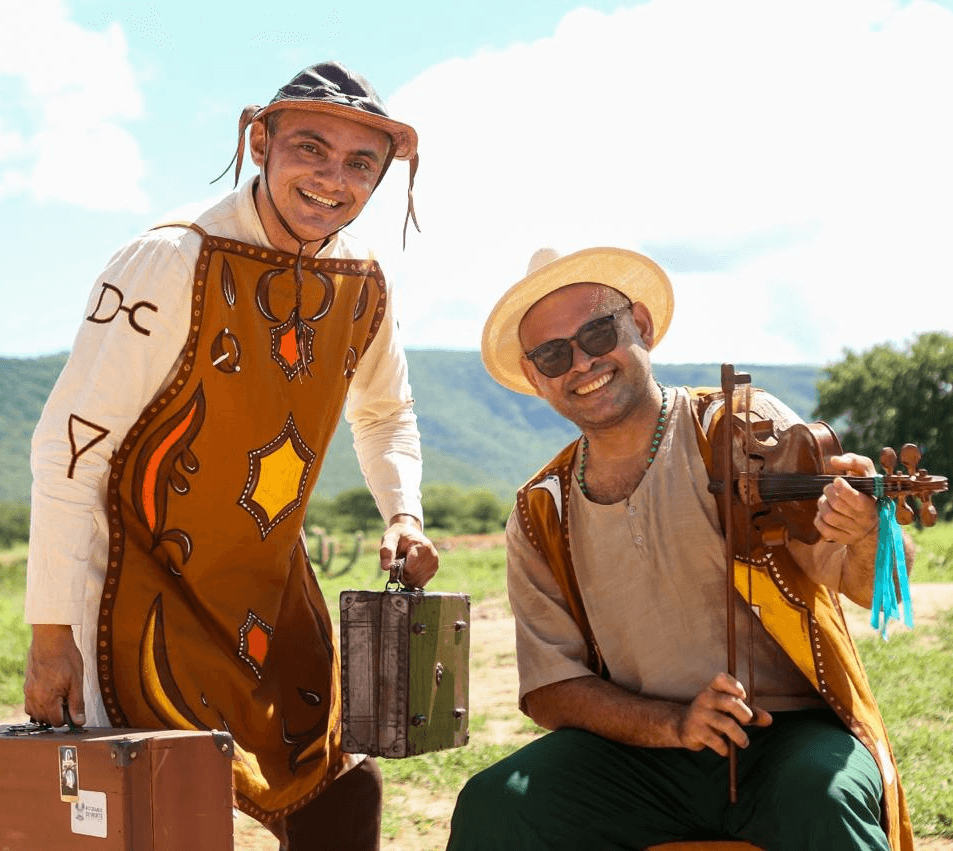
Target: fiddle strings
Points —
{"points": [[779, 487]]}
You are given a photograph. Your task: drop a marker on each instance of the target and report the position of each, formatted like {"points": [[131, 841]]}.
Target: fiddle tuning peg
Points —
{"points": [[917, 483], [910, 456], [904, 513], [888, 459], [928, 513]]}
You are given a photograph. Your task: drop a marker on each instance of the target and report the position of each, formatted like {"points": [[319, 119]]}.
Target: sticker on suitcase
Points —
{"points": [[88, 814], [69, 774]]}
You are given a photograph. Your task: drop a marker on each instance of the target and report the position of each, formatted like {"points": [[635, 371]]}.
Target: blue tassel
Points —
{"points": [[890, 569]]}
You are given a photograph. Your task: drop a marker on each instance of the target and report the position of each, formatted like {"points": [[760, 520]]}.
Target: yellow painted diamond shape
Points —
{"points": [[281, 474], [276, 478]]}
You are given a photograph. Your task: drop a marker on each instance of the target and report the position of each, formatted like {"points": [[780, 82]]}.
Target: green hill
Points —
{"points": [[475, 434], [24, 385]]}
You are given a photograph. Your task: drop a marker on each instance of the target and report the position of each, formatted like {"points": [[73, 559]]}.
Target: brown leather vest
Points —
{"points": [[804, 618], [211, 616]]}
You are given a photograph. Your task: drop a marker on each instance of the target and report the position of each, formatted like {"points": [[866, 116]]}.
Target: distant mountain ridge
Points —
{"points": [[474, 433]]}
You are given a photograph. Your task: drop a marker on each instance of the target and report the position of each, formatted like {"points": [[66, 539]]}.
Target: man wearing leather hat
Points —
{"points": [[169, 584]]}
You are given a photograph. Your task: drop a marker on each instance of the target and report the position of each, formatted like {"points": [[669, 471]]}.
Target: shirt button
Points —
{"points": [[631, 510], [639, 539]]}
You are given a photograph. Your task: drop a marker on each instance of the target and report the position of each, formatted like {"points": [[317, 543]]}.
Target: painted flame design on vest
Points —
{"points": [[157, 471], [311, 744], [158, 682]]}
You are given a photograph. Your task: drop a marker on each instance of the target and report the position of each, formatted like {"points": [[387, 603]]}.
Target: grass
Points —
{"points": [[479, 573], [440, 775], [14, 633], [934, 561], [911, 675], [912, 679]]}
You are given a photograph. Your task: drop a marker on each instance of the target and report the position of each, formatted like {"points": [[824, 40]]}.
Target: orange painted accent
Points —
{"points": [[289, 346], [257, 644], [152, 470]]}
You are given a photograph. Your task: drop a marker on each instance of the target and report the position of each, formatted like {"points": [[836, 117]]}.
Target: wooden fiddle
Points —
{"points": [[778, 476]]}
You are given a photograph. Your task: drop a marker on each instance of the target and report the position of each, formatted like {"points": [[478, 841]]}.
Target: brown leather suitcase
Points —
{"points": [[405, 658], [115, 790]]}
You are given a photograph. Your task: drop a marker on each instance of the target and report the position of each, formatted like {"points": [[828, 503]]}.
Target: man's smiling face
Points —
{"points": [[321, 170], [595, 392]]}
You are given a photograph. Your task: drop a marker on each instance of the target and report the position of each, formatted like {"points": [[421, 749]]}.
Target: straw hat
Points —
{"points": [[634, 275]]}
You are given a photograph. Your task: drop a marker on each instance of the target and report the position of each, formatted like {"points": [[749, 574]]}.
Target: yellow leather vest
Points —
{"points": [[211, 616]]}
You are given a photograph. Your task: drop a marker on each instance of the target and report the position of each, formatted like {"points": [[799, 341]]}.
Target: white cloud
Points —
{"points": [[802, 147], [69, 92]]}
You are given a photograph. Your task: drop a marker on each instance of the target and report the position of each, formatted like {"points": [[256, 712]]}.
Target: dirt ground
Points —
{"points": [[493, 692], [929, 598]]}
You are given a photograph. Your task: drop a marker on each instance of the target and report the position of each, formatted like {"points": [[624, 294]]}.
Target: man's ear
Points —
{"points": [[644, 324], [530, 374], [256, 142]]}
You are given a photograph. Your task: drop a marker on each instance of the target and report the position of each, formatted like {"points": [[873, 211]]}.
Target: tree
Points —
{"points": [[357, 511], [441, 504], [449, 509], [483, 512], [14, 523], [888, 397]]}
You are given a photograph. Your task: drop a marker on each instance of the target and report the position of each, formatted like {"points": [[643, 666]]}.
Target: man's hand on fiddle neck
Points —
{"points": [[848, 517]]}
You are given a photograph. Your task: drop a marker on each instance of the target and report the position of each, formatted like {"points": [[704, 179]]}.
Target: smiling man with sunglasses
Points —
{"points": [[616, 576]]}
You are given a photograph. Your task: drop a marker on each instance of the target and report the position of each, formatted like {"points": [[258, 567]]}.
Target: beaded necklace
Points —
{"points": [[656, 442]]}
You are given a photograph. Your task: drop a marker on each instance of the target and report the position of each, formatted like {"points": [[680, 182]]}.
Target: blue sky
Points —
{"points": [[788, 163]]}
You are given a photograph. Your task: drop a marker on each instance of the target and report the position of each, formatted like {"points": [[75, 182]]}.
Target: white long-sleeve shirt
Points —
{"points": [[115, 369]]}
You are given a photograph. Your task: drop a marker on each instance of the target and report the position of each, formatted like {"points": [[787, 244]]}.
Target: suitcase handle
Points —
{"points": [[36, 727], [397, 578]]}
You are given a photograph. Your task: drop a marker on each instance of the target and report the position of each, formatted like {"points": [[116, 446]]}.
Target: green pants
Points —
{"points": [[803, 783]]}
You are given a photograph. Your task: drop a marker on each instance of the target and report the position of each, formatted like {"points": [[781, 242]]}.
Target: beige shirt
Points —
{"points": [[651, 570], [115, 370]]}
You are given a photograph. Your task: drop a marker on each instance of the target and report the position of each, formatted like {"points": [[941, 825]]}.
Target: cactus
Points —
{"points": [[327, 549]]}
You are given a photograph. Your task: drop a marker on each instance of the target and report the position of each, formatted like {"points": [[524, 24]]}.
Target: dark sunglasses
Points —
{"points": [[596, 337]]}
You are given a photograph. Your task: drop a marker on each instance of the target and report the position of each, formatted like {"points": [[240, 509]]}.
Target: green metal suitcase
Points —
{"points": [[405, 657]]}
